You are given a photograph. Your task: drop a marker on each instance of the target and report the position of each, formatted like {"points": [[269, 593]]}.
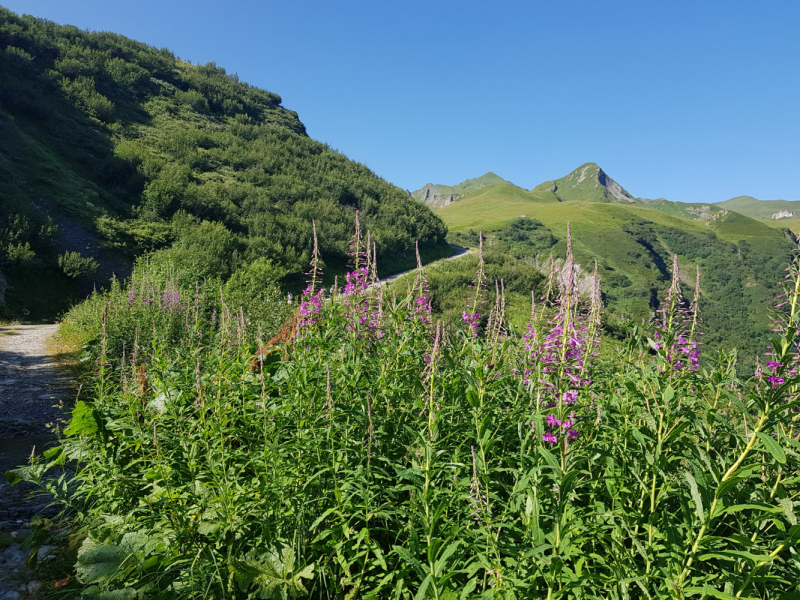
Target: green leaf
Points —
{"points": [[208, 528], [83, 420], [760, 506], [707, 591], [698, 501], [99, 562], [123, 594], [549, 457], [447, 553], [271, 572], [787, 506], [772, 447], [669, 393], [14, 476], [752, 559], [468, 588], [420, 595]]}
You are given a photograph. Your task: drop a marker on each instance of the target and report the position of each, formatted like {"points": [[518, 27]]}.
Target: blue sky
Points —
{"points": [[690, 100]]}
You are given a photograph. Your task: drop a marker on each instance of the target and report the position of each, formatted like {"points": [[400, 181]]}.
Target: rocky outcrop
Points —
{"points": [[705, 213], [615, 189], [782, 214], [434, 196]]}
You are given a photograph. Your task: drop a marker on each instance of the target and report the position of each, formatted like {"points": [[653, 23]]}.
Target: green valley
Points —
{"points": [[740, 258]]}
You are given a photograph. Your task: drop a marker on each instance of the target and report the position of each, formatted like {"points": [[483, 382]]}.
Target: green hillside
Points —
{"points": [[110, 148], [436, 195], [740, 258], [775, 213]]}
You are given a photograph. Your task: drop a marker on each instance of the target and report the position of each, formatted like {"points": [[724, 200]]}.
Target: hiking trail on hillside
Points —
{"points": [[34, 398]]}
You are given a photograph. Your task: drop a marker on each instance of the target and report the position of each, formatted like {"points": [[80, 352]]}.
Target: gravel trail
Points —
{"points": [[34, 396], [31, 386]]}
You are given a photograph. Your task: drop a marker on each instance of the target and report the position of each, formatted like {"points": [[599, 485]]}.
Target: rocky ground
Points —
{"points": [[34, 397]]}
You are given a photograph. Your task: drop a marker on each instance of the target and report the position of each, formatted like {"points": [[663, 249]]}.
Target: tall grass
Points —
{"points": [[370, 453]]}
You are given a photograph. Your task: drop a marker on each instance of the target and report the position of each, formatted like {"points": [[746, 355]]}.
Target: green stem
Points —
{"points": [[700, 534]]}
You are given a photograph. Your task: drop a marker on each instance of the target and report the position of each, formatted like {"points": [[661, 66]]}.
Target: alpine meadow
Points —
{"points": [[294, 379]]}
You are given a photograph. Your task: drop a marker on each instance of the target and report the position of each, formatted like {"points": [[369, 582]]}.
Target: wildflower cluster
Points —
{"points": [[406, 468], [783, 356], [471, 317], [421, 307], [311, 302], [676, 326], [561, 337]]}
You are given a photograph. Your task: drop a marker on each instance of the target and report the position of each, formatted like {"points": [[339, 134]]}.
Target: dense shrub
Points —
{"points": [[74, 265]]}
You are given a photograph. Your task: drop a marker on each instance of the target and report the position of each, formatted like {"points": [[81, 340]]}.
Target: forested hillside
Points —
{"points": [[110, 148]]}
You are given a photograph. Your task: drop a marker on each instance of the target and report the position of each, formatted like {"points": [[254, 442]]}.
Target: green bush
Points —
{"points": [[74, 265]]}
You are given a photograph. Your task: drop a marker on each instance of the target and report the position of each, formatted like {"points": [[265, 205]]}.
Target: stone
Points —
{"points": [[33, 587], [12, 558], [46, 553]]}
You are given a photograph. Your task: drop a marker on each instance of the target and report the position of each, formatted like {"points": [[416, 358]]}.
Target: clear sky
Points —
{"points": [[690, 100]]}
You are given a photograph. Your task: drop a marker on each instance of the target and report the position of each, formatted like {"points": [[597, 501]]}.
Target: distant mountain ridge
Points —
{"points": [[762, 209], [437, 195], [740, 246], [589, 183]]}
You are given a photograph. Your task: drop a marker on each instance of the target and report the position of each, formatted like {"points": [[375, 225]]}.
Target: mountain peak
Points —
{"points": [[437, 196], [588, 183]]}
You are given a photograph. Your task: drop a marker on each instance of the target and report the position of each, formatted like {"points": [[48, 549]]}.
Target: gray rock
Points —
{"points": [[9, 595], [12, 558], [33, 587], [46, 553]]}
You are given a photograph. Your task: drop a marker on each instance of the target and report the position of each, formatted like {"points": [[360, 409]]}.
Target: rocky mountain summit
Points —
{"points": [[588, 183]]}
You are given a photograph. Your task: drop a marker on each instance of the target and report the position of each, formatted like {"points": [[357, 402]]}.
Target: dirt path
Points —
{"points": [[34, 396], [459, 251], [31, 386]]}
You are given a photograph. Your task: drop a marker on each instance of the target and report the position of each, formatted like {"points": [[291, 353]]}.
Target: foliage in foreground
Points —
{"points": [[375, 455]]}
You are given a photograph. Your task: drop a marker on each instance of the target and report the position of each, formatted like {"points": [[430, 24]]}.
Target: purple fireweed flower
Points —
{"points": [[550, 438], [171, 300], [570, 397], [676, 326], [775, 381], [471, 316]]}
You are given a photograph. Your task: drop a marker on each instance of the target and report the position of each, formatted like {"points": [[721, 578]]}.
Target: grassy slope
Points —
{"points": [[635, 241], [467, 186], [764, 209]]}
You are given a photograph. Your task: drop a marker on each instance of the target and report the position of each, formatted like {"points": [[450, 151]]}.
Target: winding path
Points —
{"points": [[458, 250]]}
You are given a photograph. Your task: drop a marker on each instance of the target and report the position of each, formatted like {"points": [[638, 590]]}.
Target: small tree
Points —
{"points": [[74, 265]]}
